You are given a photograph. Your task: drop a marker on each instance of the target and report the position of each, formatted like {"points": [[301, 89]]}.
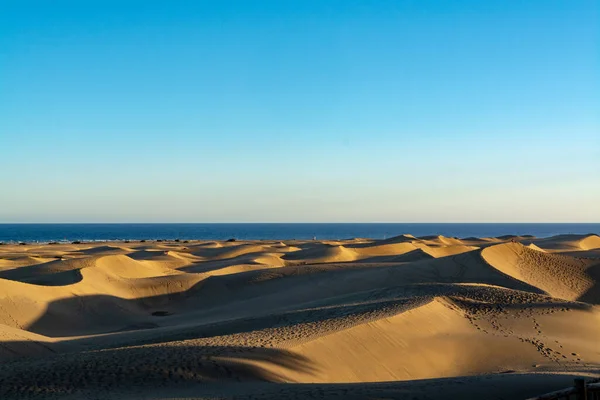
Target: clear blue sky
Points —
{"points": [[301, 111]]}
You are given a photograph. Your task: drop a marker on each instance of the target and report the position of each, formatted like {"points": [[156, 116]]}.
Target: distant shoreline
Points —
{"points": [[167, 240]]}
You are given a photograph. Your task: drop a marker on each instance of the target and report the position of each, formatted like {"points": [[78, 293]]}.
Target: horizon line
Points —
{"points": [[288, 222]]}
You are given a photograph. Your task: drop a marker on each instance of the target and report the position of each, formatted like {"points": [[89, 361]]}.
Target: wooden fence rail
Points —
{"points": [[580, 391]]}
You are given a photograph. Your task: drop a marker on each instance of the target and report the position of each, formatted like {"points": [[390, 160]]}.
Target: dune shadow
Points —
{"points": [[410, 256], [150, 366], [592, 295], [501, 386], [144, 254], [103, 250], [211, 266], [43, 274], [96, 314], [62, 278], [99, 314], [246, 325]]}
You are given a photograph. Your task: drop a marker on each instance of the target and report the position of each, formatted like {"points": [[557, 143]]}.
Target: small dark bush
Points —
{"points": [[142, 241], [232, 240], [186, 241], [53, 243], [126, 241], [76, 242], [177, 240], [159, 240], [161, 313], [22, 244]]}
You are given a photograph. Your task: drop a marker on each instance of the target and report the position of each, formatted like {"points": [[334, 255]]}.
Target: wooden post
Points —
{"points": [[580, 389]]}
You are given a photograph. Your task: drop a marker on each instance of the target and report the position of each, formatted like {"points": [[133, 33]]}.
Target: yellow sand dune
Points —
{"points": [[104, 250], [126, 278], [125, 267], [106, 283], [562, 243], [271, 259], [560, 276], [18, 343], [171, 319], [15, 262], [440, 241], [534, 247], [349, 252], [22, 304], [406, 238], [445, 251], [231, 250], [388, 249], [589, 242], [431, 341], [323, 254]]}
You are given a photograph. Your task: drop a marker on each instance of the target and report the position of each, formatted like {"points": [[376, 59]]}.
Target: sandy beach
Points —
{"points": [[402, 318]]}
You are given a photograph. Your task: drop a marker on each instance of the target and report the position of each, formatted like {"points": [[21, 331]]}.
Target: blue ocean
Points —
{"points": [[273, 231]]}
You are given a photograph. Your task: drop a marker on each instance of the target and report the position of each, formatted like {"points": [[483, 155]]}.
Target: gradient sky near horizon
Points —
{"points": [[300, 111]]}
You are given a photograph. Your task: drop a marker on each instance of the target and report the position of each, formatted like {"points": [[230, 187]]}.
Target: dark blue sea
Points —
{"points": [[104, 232]]}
